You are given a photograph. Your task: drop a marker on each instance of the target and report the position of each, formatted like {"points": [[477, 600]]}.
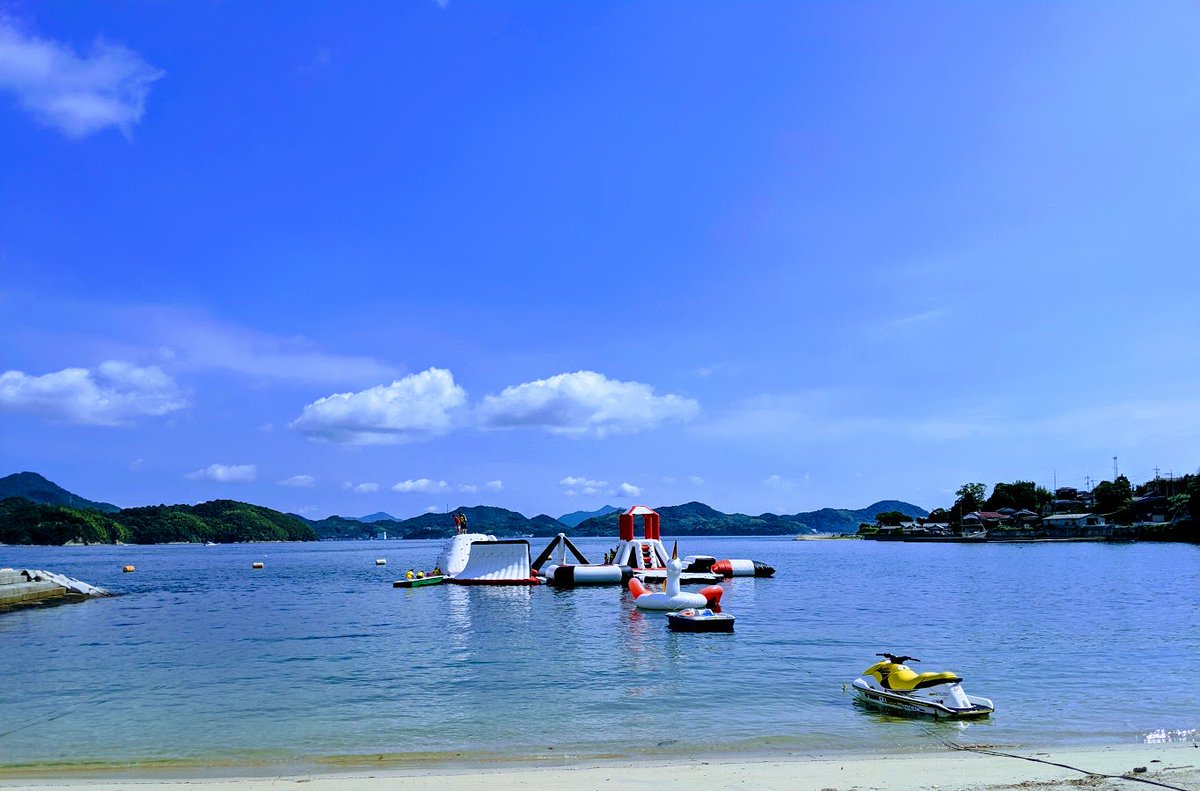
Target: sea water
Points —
{"points": [[203, 659]]}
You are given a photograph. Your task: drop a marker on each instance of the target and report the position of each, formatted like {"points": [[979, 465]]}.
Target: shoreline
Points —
{"points": [[1169, 764]]}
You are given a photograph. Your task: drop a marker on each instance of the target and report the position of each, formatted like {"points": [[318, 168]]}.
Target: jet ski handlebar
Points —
{"points": [[899, 660]]}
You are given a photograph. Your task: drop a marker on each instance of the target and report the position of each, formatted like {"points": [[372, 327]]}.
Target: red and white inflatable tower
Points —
{"points": [[641, 554]]}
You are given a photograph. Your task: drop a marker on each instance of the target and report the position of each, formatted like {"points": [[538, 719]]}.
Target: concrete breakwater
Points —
{"points": [[21, 587]]}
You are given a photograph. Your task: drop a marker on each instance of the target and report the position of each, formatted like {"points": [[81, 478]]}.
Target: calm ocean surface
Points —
{"points": [[316, 655]]}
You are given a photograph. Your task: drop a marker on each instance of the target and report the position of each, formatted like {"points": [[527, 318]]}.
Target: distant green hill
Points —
{"points": [[23, 521], [35, 488], [546, 525], [689, 519], [378, 516], [575, 517], [38, 511], [340, 527], [698, 519], [487, 519]]}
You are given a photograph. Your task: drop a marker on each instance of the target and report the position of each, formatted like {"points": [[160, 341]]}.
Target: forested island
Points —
{"points": [[23, 521]]}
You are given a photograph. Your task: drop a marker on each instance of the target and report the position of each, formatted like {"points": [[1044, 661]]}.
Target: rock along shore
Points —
{"points": [[24, 587]]}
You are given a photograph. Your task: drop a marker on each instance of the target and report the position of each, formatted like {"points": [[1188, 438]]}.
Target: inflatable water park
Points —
{"points": [[480, 559], [642, 564], [655, 580]]}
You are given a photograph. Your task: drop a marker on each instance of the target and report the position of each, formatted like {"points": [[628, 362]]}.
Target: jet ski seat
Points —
{"points": [[901, 679]]}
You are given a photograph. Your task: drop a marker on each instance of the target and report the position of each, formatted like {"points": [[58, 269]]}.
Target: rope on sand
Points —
{"points": [[988, 751]]}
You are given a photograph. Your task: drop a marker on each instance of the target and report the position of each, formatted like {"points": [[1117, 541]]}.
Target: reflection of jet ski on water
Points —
{"points": [[893, 686]]}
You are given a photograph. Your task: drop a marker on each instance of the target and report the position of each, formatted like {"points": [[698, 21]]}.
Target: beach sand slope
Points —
{"points": [[1122, 767]]}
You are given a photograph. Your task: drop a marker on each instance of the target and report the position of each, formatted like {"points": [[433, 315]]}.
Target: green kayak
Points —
{"points": [[419, 582]]}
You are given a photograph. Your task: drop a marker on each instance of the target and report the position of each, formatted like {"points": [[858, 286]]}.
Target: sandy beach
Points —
{"points": [[1175, 766]]}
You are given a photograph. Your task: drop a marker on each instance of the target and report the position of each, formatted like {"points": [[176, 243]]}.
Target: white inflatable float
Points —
{"points": [[563, 574], [671, 597]]}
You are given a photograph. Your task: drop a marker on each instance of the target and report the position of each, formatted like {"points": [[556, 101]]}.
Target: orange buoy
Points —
{"points": [[127, 569], [256, 565]]}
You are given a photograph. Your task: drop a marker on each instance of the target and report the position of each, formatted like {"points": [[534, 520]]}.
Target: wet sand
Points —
{"points": [[1172, 765]]}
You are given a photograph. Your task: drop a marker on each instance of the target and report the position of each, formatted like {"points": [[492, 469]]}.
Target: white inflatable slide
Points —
{"points": [[474, 559]]}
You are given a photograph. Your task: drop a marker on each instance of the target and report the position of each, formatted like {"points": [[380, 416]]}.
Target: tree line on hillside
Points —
{"points": [[689, 519], [1119, 501], [698, 519], [219, 521]]}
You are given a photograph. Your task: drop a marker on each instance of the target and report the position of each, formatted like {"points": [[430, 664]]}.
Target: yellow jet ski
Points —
{"points": [[893, 686]]}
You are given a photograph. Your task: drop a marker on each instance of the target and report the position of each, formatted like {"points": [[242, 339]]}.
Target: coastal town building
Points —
{"points": [[1075, 525]]}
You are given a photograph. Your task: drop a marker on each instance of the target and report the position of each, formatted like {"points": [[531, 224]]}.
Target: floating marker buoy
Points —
{"points": [[256, 565], [127, 569], [381, 561]]}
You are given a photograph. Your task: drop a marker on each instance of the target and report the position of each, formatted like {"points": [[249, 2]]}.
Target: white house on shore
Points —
{"points": [[1069, 525]]}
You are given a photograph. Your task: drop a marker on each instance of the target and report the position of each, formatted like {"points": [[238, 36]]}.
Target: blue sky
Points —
{"points": [[343, 258]]}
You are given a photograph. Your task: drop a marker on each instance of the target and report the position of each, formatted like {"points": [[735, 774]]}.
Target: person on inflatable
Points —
{"points": [[408, 575]]}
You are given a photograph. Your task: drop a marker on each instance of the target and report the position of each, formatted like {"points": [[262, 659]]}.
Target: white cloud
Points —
{"points": [[433, 509], [415, 407], [583, 402], [364, 488], [494, 486], [469, 488], [696, 480], [781, 483], [909, 323], [299, 481], [111, 395], [421, 485], [225, 473], [720, 369], [629, 490], [76, 95], [575, 485]]}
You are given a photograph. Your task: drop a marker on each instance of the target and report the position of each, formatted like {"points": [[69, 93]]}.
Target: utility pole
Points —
{"points": [[1115, 476]]}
